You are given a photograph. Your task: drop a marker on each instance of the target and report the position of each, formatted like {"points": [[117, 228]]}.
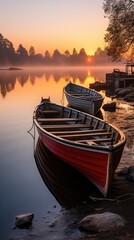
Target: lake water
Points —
{"points": [[22, 189]]}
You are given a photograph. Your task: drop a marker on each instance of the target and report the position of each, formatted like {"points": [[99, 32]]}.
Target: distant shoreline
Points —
{"points": [[11, 68]]}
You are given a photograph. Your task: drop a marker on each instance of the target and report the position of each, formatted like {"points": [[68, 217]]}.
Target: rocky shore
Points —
{"points": [[64, 225], [126, 93]]}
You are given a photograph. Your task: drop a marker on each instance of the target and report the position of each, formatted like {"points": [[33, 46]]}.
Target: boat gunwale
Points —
{"points": [[78, 97], [104, 148], [108, 148], [82, 99]]}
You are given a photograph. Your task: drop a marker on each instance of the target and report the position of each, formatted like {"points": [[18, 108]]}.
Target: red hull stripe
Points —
{"points": [[92, 164]]}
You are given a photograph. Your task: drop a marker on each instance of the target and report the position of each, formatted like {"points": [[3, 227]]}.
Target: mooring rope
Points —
{"points": [[114, 199], [29, 131], [33, 134], [62, 99]]}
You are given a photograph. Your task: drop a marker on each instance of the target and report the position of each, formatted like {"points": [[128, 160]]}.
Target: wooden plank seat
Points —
{"points": [[85, 135], [74, 93], [90, 142], [59, 119], [80, 94], [49, 111], [96, 140], [79, 131], [66, 126]]}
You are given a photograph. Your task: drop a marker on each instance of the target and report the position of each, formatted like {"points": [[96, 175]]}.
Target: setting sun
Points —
{"points": [[89, 59]]}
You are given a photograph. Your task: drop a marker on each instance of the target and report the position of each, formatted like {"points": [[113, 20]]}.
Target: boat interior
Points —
{"points": [[76, 126], [82, 92]]}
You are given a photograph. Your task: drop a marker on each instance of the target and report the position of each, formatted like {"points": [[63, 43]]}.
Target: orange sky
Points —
{"points": [[54, 24]]}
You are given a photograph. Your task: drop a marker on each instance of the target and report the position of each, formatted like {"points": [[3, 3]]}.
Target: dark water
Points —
{"points": [[22, 187]]}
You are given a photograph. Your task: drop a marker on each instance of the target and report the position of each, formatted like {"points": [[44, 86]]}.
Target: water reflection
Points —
{"points": [[8, 79], [20, 92], [67, 185]]}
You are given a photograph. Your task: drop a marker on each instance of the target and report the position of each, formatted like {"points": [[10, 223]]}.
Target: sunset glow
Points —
{"points": [[50, 25]]}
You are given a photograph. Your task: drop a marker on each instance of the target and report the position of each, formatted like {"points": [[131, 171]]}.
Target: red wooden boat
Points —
{"points": [[89, 144]]}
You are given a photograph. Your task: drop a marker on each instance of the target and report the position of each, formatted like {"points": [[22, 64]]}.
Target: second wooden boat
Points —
{"points": [[84, 99], [87, 143]]}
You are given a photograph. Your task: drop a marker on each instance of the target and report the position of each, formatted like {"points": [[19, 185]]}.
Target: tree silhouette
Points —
{"points": [[22, 54], [82, 57], [67, 57], [7, 52], [22, 51], [47, 58], [31, 55], [38, 59], [74, 57], [57, 57], [31, 51], [8, 56], [120, 31]]}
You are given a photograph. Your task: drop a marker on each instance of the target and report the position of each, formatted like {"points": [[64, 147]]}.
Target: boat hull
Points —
{"points": [[66, 184], [87, 143], [85, 106], [96, 165], [87, 100]]}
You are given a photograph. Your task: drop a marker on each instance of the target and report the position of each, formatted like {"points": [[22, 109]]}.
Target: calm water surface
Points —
{"points": [[21, 186]]}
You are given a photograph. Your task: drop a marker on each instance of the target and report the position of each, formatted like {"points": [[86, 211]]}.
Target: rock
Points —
{"points": [[24, 220], [130, 175], [52, 224], [129, 97], [129, 172], [123, 92], [102, 222], [123, 171], [110, 107], [99, 85]]}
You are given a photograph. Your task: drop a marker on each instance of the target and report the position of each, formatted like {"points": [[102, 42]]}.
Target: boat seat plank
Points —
{"points": [[66, 126], [74, 135], [74, 93], [80, 94], [59, 119], [103, 140], [79, 132], [96, 140], [91, 142], [50, 111]]}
